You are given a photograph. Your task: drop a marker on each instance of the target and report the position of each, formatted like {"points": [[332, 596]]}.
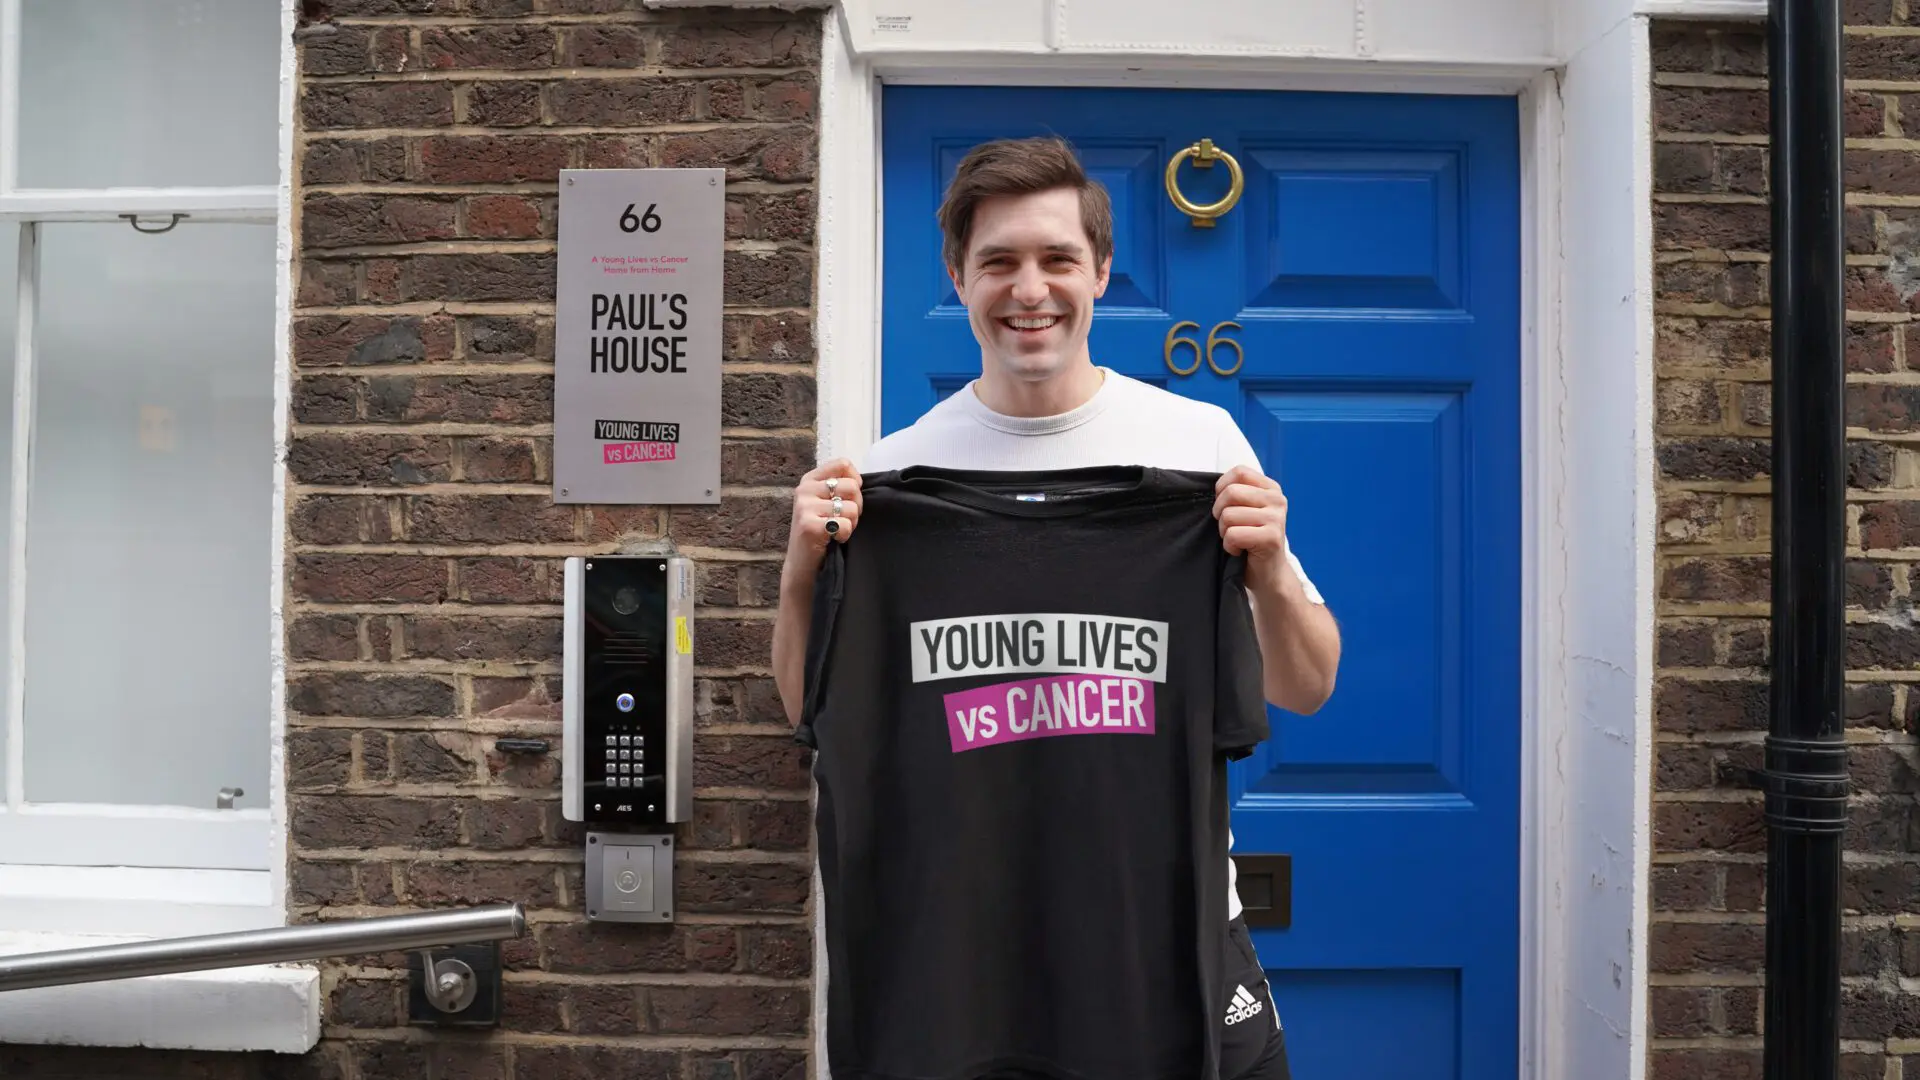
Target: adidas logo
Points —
{"points": [[1244, 1005]]}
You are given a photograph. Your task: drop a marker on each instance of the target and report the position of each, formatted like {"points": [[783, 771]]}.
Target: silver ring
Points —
{"points": [[832, 482], [836, 506]]}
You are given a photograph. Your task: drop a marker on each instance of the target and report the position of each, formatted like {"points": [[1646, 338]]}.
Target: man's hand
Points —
{"points": [[826, 507], [1252, 511], [1299, 640]]}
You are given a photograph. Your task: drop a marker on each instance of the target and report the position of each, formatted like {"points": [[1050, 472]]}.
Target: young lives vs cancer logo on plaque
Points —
{"points": [[636, 384]]}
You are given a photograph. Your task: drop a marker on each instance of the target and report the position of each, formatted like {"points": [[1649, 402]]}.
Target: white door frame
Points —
{"points": [[1587, 506]]}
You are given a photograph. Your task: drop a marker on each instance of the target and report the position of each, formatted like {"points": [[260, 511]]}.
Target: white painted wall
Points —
{"points": [[1497, 31], [1599, 1017]]}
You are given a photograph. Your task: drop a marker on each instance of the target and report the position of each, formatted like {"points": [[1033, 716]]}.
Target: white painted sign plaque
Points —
{"points": [[636, 381]]}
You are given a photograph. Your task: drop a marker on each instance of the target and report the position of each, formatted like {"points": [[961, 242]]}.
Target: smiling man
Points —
{"points": [[1028, 243]]}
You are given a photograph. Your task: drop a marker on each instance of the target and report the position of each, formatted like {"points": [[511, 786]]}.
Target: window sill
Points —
{"points": [[262, 1007]]}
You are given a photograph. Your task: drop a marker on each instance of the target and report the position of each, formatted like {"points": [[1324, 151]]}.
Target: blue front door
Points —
{"points": [[1358, 311]]}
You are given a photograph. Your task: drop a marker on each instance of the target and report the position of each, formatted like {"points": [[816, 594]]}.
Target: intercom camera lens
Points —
{"points": [[627, 600], [624, 702]]}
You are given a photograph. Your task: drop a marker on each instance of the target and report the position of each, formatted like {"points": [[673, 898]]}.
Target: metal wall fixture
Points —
{"points": [[449, 984]]}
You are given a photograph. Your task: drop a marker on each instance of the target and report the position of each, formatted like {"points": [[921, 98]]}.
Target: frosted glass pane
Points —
{"points": [[147, 531], [149, 93]]}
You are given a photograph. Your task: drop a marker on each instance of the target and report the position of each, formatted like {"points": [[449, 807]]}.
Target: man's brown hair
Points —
{"points": [[1022, 167]]}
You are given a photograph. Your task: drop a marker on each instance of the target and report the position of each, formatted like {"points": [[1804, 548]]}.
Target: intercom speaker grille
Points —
{"points": [[629, 650]]}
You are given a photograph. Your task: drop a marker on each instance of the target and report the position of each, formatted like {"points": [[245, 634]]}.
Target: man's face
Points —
{"points": [[1029, 283]]}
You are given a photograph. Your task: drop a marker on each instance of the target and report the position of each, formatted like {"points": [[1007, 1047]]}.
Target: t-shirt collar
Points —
{"points": [[1040, 425]]}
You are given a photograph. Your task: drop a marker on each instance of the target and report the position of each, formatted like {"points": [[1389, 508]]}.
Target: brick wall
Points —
{"points": [[1711, 237], [423, 557]]}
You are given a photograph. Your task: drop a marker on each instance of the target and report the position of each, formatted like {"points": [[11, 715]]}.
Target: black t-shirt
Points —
{"points": [[1022, 690]]}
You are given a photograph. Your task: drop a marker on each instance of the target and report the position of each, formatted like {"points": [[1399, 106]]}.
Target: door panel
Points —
{"points": [[1369, 276]]}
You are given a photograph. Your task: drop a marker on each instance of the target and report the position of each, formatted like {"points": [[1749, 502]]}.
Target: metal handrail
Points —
{"points": [[281, 944]]}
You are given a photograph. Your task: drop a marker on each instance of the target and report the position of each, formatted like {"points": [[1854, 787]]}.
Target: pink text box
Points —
{"points": [[1042, 708]]}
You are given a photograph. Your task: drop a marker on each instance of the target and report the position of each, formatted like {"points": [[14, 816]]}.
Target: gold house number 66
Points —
{"points": [[1214, 340]]}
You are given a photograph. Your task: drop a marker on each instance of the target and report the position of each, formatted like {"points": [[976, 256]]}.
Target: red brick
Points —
{"points": [[589, 949], [509, 580], [362, 821], [739, 42], [1888, 408], [1686, 886], [324, 637], [319, 758], [500, 460], [1882, 57], [1719, 226], [1724, 343], [1706, 1064], [507, 338], [492, 159], [1682, 1012], [579, 1062], [465, 1060], [505, 824], [323, 883], [622, 102], [742, 887], [366, 340], [782, 154], [504, 217], [1715, 458], [503, 103], [750, 761], [502, 275], [509, 47], [488, 638], [370, 578], [359, 1002], [1886, 889], [1714, 110], [334, 50], [439, 882], [794, 98], [783, 952], [1709, 826], [377, 105], [357, 220], [604, 46], [340, 693], [487, 519], [1697, 948], [1875, 645], [501, 399], [326, 399], [380, 460], [1721, 579], [728, 1010]]}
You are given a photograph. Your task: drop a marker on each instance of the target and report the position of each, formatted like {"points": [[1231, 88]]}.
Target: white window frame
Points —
{"points": [[74, 867]]}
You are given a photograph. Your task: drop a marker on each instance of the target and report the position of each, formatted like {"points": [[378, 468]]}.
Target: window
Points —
{"points": [[140, 175]]}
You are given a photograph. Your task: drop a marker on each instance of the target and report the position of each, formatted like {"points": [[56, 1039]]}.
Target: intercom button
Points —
{"points": [[626, 740]]}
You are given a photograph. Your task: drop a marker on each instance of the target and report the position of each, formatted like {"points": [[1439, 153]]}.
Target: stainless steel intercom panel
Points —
{"points": [[628, 690]]}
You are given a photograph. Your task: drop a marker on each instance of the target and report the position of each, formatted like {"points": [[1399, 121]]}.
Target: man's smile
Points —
{"points": [[1031, 324]]}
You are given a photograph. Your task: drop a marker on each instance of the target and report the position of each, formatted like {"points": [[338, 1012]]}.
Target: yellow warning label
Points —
{"points": [[681, 639]]}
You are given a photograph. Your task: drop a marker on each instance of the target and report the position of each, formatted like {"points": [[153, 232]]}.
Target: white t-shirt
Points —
{"points": [[1126, 422]]}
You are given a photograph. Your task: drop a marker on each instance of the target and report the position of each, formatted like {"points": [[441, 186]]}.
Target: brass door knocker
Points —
{"points": [[1204, 154]]}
